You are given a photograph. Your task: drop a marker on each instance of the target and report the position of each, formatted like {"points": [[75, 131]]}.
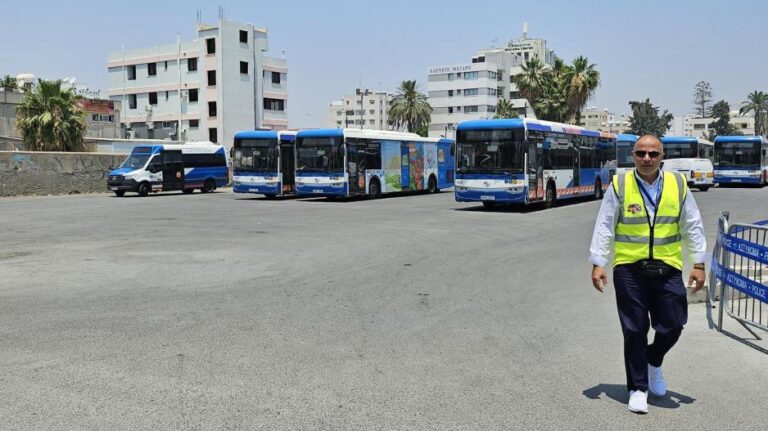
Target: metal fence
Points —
{"points": [[739, 274]]}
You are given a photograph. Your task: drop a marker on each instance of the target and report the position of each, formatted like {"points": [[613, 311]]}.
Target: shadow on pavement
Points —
{"points": [[618, 393]]}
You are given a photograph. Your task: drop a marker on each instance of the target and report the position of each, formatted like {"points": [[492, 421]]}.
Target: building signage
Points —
{"points": [[450, 69]]}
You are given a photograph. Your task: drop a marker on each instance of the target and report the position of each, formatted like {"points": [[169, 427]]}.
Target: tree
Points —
{"points": [[410, 108], [505, 109], [8, 82], [584, 80], [702, 97], [721, 126], [531, 81], [756, 103], [49, 118], [645, 119]]}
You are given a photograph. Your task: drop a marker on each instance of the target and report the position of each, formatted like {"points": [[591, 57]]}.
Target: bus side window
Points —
{"points": [[453, 149]]}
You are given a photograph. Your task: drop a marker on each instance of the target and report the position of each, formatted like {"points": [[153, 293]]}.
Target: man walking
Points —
{"points": [[647, 216]]}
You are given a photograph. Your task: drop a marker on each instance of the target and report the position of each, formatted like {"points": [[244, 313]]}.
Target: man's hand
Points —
{"points": [[695, 280], [599, 278]]}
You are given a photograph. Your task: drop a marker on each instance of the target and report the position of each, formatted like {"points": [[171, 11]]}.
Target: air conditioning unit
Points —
{"points": [[148, 108]]}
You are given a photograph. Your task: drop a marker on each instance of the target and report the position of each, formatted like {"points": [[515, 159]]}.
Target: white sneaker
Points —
{"points": [[638, 401], [656, 382]]}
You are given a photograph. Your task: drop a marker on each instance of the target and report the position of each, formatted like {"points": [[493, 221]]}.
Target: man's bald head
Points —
{"points": [[650, 141]]}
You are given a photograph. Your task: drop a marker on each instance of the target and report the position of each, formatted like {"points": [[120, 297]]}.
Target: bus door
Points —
{"points": [[405, 171], [287, 167], [173, 170], [534, 175], [355, 168], [576, 166]]}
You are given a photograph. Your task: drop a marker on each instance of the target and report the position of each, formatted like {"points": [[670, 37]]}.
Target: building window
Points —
{"points": [[244, 67], [470, 75], [211, 78], [151, 69], [371, 122], [210, 45], [371, 111], [168, 125], [192, 64], [153, 98], [450, 77], [243, 36], [213, 135], [450, 109], [274, 104], [372, 102], [471, 92], [131, 101], [211, 109], [275, 77], [450, 93], [193, 94], [166, 66], [166, 96], [131, 72], [194, 124]]}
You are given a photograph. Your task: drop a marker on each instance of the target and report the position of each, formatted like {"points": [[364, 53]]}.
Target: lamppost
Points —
{"points": [[362, 106]]}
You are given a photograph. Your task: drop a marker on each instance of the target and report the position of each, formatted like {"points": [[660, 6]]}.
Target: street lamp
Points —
{"points": [[362, 106]]}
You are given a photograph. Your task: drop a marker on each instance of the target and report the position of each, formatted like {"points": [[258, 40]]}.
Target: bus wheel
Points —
{"points": [[432, 184], [120, 193], [598, 189], [703, 188], [187, 191], [551, 196], [374, 189], [143, 189], [208, 187]]}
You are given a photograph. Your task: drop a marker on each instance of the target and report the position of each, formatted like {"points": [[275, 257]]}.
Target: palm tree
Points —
{"points": [[50, 119], [410, 108], [757, 102], [8, 82], [553, 104], [531, 81], [505, 109], [584, 80]]}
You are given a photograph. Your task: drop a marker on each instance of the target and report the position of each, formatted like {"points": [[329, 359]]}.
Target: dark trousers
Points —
{"points": [[637, 297]]}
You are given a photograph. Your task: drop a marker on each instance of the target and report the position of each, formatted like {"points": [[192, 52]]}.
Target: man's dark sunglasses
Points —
{"points": [[651, 154]]}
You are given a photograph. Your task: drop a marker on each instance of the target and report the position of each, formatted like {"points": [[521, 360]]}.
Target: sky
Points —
{"points": [[643, 49]]}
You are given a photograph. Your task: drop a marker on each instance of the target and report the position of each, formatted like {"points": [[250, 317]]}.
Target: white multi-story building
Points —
{"points": [[604, 120], [696, 126], [471, 91], [206, 89], [365, 109]]}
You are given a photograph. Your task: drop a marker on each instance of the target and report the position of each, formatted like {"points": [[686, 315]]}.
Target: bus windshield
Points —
{"points": [[490, 150], [256, 154], [320, 154], [680, 150], [737, 154], [136, 161], [624, 154]]}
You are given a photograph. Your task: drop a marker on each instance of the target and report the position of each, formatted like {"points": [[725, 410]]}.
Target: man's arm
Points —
{"points": [[602, 239], [692, 231]]}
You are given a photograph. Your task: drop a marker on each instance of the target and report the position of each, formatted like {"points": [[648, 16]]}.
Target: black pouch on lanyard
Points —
{"points": [[652, 268]]}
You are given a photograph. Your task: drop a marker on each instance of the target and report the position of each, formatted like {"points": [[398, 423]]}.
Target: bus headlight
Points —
{"points": [[337, 184], [516, 189]]}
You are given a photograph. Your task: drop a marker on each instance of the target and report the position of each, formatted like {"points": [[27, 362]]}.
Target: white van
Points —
{"points": [[699, 172]]}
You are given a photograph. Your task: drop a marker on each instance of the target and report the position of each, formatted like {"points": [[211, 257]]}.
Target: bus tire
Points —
{"points": [[432, 184], [120, 193], [374, 188], [143, 189], [269, 196], [598, 189], [550, 196], [187, 191], [703, 188], [209, 186]]}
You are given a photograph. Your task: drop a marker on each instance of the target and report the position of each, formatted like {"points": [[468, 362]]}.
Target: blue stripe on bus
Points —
{"points": [[752, 139], [722, 179], [626, 138], [256, 134], [321, 133], [678, 140], [514, 123], [484, 195]]}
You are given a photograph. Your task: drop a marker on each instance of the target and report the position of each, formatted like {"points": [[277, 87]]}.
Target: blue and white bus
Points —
{"points": [[741, 160], [360, 162], [690, 157], [525, 161], [185, 167], [625, 145], [264, 162]]}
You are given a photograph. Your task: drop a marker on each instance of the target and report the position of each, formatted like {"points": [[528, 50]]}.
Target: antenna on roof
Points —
{"points": [[525, 30], [221, 13], [199, 16]]}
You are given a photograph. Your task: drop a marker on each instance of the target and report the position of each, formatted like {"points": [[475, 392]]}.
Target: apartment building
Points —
{"points": [[365, 109], [205, 89]]}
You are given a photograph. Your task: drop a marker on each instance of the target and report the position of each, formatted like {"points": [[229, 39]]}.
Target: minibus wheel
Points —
{"points": [[143, 189], [598, 189], [208, 187], [120, 193], [374, 189], [432, 184]]}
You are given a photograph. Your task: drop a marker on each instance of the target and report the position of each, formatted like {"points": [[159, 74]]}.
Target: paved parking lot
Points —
{"points": [[227, 312]]}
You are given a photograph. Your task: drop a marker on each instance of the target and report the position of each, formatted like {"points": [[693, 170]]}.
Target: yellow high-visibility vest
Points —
{"points": [[635, 231]]}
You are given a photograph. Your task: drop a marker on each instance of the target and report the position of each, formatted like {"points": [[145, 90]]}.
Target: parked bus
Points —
{"points": [[526, 161], [185, 167], [264, 162], [360, 162], [625, 145], [691, 157], [741, 160]]}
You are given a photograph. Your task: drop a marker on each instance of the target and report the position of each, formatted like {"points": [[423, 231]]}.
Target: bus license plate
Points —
{"points": [[487, 198], [317, 191], [114, 189], [736, 180]]}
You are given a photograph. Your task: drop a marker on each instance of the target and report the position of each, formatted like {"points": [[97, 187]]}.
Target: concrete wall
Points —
{"points": [[38, 173]]}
